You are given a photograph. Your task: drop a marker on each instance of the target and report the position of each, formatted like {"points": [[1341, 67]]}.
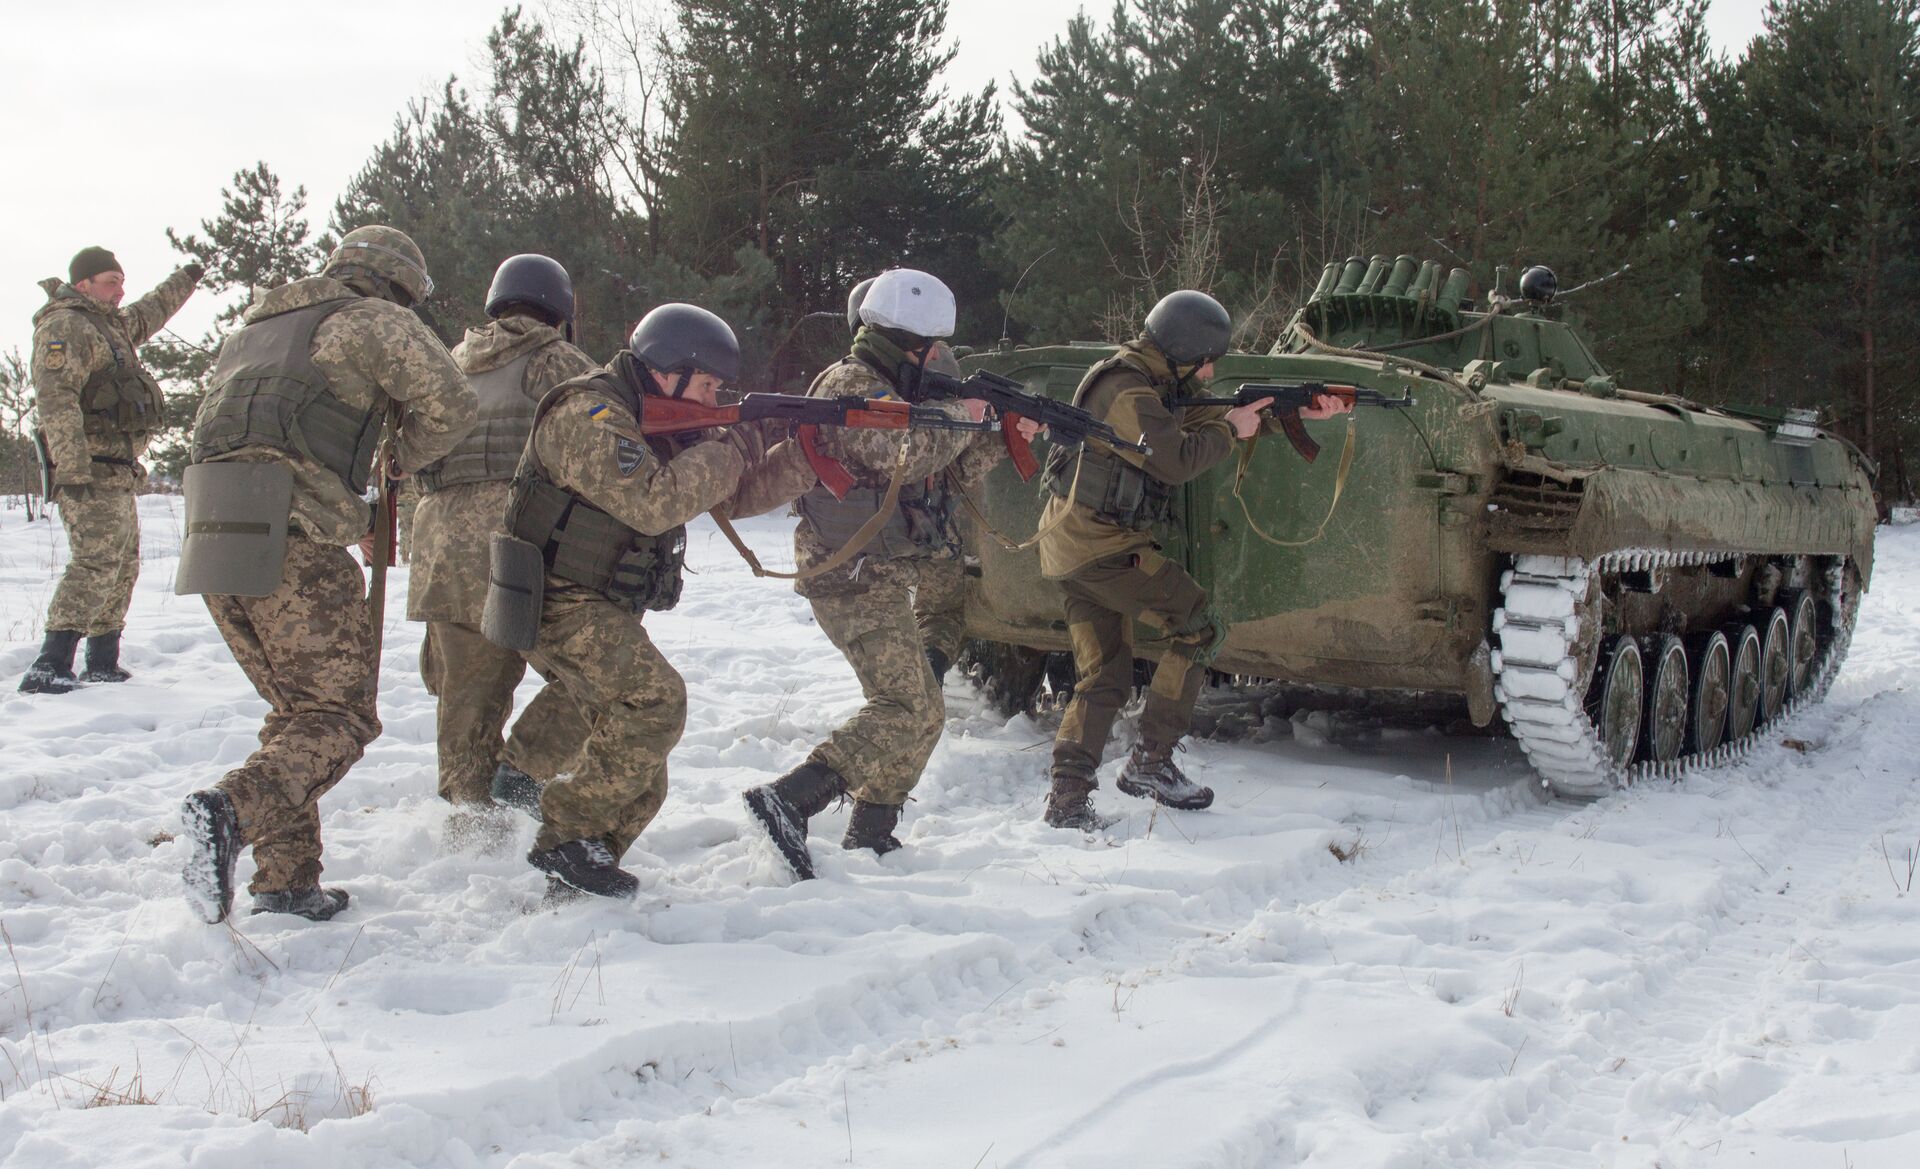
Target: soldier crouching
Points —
{"points": [[283, 449], [605, 516]]}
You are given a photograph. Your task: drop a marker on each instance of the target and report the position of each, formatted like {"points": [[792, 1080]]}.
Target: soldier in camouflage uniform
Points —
{"points": [[866, 607], [609, 515], [1097, 541], [98, 407], [512, 362], [305, 385]]}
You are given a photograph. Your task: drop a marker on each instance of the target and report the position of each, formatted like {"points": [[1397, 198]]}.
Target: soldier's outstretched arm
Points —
{"points": [[782, 475], [150, 313], [1179, 452], [625, 478], [66, 351], [411, 366]]}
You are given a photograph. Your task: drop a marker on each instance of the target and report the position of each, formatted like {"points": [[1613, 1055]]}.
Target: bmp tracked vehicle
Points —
{"points": [[1635, 582]]}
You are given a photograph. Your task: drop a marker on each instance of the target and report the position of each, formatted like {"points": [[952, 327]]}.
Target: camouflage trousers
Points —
{"points": [[1103, 601], [103, 542], [940, 605], [600, 664], [474, 681], [883, 748], [307, 647]]}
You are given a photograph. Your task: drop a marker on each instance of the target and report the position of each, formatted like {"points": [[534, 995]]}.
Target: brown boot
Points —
{"points": [[1070, 803], [1150, 772], [871, 826]]}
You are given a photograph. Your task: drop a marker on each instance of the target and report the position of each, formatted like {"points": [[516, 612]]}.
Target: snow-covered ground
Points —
{"points": [[1358, 958]]}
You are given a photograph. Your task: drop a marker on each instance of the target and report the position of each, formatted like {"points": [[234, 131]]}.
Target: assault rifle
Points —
{"points": [[1066, 424], [1289, 397], [678, 416]]}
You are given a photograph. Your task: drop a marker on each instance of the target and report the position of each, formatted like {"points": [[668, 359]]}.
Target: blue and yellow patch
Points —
{"points": [[56, 355]]}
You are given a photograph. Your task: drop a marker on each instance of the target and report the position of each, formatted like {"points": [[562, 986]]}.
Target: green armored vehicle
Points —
{"points": [[1636, 583]]}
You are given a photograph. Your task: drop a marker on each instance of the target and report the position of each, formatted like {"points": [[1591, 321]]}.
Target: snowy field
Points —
{"points": [[1351, 961]]}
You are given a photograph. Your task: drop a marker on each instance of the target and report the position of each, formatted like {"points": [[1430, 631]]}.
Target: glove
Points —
{"points": [[194, 270]]}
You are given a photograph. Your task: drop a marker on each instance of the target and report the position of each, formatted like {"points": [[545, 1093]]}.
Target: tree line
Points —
{"points": [[1735, 229]]}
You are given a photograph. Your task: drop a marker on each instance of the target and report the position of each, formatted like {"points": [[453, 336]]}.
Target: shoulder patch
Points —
{"points": [[630, 454], [55, 356]]}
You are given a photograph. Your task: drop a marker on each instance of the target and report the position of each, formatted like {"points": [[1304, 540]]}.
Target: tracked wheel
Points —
{"points": [[1712, 663], [1743, 704], [1620, 692], [1668, 697], [1776, 664], [1803, 639]]}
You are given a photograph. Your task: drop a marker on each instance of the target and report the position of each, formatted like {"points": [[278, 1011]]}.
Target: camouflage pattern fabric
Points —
{"points": [[598, 657], [103, 543], [474, 680], [372, 352], [68, 349], [883, 748], [404, 510], [307, 647], [940, 605], [1103, 601]]}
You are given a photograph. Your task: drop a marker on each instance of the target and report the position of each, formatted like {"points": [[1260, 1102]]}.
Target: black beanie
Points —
{"points": [[90, 262]]}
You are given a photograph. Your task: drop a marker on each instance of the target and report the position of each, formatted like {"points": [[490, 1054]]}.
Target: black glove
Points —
{"points": [[194, 270]]}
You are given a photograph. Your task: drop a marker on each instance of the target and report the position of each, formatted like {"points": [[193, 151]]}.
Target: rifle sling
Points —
{"points": [[853, 547], [1339, 485]]}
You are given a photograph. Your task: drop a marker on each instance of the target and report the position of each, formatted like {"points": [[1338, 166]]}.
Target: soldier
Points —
{"points": [[1103, 553], [606, 515], [511, 363], [940, 593], [866, 607], [98, 407], [283, 449]]}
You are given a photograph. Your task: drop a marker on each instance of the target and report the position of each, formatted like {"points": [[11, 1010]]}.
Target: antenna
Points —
{"points": [[1006, 304]]}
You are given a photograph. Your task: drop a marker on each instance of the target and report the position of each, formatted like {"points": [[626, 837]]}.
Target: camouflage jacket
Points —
{"points": [[75, 337], [372, 352], [1131, 395], [452, 527], [960, 457], [657, 486]]}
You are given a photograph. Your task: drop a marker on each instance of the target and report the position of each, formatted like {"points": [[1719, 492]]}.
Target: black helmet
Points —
{"points": [[685, 338], [535, 281], [854, 300], [1191, 328], [1538, 283]]}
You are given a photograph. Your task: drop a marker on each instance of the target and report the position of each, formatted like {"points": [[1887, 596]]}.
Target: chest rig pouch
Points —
{"points": [[920, 527], [122, 397], [266, 391], [1115, 490]]}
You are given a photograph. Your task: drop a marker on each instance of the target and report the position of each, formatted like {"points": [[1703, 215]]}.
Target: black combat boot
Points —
{"points": [[782, 808], [1150, 772], [514, 788], [52, 671], [312, 903], [1070, 803], [586, 865], [103, 659], [871, 826], [940, 663], [213, 848]]}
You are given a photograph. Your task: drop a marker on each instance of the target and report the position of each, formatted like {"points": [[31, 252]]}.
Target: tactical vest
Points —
{"points": [[580, 542], [491, 450], [921, 525], [1112, 488], [123, 395], [266, 391]]}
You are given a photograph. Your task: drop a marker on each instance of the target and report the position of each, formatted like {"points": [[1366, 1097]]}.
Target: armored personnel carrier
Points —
{"points": [[1634, 582]]}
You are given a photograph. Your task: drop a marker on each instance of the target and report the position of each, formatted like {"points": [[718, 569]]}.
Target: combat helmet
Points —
{"points": [[686, 339], [539, 282], [388, 253], [854, 300], [1190, 327], [911, 301]]}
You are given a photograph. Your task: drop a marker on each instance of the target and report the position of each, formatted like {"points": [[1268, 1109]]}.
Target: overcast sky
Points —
{"points": [[131, 120]]}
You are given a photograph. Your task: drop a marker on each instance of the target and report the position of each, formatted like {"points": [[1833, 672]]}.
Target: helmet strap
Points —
{"points": [[680, 386]]}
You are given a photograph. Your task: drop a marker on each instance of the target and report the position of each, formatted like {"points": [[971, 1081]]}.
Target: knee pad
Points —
{"points": [[1205, 637]]}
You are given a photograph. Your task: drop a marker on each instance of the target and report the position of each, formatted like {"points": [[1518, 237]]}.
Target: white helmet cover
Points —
{"points": [[909, 300]]}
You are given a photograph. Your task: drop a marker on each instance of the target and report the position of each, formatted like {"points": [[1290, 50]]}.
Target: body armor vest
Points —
{"points": [[491, 450], [123, 395], [921, 525], [266, 391], [1112, 488], [583, 544]]}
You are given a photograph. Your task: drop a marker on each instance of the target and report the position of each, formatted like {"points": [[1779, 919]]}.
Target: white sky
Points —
{"points": [[126, 122]]}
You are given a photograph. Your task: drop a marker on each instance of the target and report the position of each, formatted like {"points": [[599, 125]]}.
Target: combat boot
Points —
{"points": [[871, 826], [1150, 772], [103, 659], [1070, 804], [782, 808], [514, 788], [312, 903], [52, 671], [213, 848], [940, 663], [586, 865]]}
